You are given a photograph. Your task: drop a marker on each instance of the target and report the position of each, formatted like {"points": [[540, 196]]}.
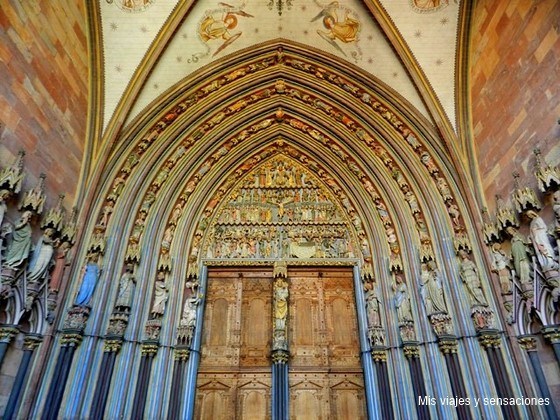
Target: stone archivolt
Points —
{"points": [[295, 112]]}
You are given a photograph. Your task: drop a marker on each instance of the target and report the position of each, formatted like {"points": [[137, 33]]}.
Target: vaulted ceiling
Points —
{"points": [[145, 49]]}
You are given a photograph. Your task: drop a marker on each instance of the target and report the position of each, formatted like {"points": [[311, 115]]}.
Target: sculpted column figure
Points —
{"points": [[520, 256], [546, 256], [470, 277]]}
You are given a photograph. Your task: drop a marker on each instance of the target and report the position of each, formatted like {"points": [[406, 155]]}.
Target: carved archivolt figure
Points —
{"points": [[127, 284], [19, 249], [431, 290], [539, 238], [42, 257], [469, 275], [501, 266], [520, 256]]}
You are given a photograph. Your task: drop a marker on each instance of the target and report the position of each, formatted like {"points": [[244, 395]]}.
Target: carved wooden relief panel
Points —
{"points": [[234, 377], [325, 376], [323, 320]]}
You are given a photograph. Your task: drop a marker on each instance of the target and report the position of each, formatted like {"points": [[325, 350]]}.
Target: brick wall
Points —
{"points": [[515, 68], [43, 90]]}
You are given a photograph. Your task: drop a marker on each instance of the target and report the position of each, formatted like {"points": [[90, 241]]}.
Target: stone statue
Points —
{"points": [[19, 249], [431, 290], [501, 266], [42, 257], [188, 319], [127, 284], [556, 209], [469, 275], [89, 280], [4, 194], [372, 308], [161, 295], [520, 256], [402, 301], [539, 238], [280, 304]]}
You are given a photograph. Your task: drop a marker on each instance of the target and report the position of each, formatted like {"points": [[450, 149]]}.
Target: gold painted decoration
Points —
{"points": [[548, 177], [340, 28], [34, 199], [428, 6], [279, 210], [525, 199], [11, 177], [218, 29], [132, 5]]}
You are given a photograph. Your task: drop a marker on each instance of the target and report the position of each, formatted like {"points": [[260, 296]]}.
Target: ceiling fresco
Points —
{"points": [[210, 30]]}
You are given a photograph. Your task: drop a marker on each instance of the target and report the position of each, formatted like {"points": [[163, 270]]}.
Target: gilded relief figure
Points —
{"points": [[218, 24], [341, 25]]}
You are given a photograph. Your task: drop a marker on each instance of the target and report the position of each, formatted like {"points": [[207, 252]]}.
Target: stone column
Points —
{"points": [[552, 334], [30, 343], [448, 346], [491, 342], [7, 333], [412, 353], [280, 352], [529, 344], [111, 349]]}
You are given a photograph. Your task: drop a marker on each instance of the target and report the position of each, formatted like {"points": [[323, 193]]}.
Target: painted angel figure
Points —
{"points": [[343, 29], [219, 27]]}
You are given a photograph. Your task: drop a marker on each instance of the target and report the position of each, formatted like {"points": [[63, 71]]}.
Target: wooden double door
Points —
{"points": [[325, 376]]}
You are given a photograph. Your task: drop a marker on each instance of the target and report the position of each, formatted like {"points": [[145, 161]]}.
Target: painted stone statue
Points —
{"points": [[89, 281], [470, 277], [161, 294], [539, 238], [402, 301], [520, 256], [127, 284], [431, 290], [20, 247], [501, 265], [42, 257]]}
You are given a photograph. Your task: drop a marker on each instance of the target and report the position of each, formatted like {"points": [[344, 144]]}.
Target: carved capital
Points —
{"points": [[489, 339], [379, 354], [411, 350], [552, 334], [7, 332], [527, 342], [32, 341], [71, 339], [280, 357], [149, 348], [112, 346], [448, 344], [182, 354]]}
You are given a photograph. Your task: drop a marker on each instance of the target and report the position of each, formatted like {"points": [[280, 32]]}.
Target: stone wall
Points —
{"points": [[515, 63], [43, 90]]}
